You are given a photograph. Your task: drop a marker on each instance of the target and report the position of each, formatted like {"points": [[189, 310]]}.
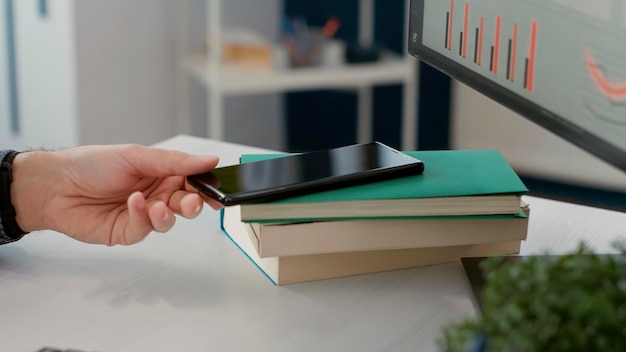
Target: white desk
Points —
{"points": [[192, 290]]}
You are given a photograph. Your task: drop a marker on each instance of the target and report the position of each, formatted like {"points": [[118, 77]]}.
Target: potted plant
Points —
{"points": [[573, 302]]}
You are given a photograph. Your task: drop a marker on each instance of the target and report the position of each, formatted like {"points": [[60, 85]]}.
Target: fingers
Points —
{"points": [[160, 162], [186, 204], [210, 201], [214, 204], [145, 218], [139, 224], [189, 204], [161, 217]]}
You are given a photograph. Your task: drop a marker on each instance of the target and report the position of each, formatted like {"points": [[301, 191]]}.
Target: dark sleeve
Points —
{"points": [[3, 235], [7, 213]]}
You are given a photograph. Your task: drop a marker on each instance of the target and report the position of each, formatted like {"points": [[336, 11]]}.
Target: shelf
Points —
{"points": [[222, 79], [234, 80]]}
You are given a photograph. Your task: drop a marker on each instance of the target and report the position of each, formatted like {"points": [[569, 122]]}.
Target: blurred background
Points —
{"points": [[290, 75]]}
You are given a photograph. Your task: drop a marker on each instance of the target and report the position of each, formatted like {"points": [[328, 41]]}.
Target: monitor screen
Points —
{"points": [[560, 63]]}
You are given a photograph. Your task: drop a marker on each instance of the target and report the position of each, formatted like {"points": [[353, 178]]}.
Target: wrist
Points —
{"points": [[33, 188]]}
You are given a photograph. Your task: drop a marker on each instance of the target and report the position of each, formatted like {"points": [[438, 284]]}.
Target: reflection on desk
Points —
{"points": [[191, 289]]}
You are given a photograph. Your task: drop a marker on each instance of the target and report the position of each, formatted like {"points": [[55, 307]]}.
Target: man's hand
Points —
{"points": [[106, 194]]}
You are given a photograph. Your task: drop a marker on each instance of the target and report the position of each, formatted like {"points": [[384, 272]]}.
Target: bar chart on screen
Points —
{"points": [[487, 39], [561, 63], [545, 51], [514, 46]]}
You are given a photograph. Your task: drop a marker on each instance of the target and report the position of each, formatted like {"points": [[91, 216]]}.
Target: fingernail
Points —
{"points": [[165, 217], [198, 209]]}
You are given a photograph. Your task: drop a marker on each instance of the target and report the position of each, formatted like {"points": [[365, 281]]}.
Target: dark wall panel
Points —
{"points": [[434, 109], [323, 119]]}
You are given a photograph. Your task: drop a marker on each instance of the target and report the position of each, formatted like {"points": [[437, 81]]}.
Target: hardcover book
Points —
{"points": [[455, 182], [285, 239], [302, 268]]}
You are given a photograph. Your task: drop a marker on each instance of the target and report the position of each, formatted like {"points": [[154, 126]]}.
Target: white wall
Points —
{"points": [[45, 74], [255, 119], [126, 70], [480, 123], [92, 72], [105, 72]]}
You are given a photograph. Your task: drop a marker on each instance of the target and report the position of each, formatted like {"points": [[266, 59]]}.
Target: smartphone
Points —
{"points": [[298, 174]]}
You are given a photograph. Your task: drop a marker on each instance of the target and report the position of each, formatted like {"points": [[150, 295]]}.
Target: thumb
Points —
{"points": [[155, 162]]}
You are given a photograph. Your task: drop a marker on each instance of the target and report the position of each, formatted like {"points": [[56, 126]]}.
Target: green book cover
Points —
{"points": [[448, 173]]}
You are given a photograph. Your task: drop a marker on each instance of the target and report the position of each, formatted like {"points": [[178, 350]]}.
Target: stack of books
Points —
{"points": [[467, 203]]}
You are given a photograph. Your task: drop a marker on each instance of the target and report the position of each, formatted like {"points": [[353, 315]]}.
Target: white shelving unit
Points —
{"points": [[222, 80]]}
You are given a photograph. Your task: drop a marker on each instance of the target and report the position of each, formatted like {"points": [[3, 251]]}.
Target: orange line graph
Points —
{"points": [[615, 91]]}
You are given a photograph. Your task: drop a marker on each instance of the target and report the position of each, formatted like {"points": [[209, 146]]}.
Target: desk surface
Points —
{"points": [[191, 289]]}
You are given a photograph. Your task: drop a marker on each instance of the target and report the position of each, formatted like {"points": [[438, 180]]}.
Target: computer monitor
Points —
{"points": [[560, 63]]}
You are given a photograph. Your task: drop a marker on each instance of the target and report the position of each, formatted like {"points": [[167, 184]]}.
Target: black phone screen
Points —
{"points": [[298, 174]]}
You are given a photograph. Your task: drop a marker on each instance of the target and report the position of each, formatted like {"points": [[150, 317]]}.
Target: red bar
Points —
{"points": [[513, 52], [496, 50], [465, 34], [531, 56], [450, 25], [480, 39]]}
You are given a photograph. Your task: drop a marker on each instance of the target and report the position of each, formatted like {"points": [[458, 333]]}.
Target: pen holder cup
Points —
{"points": [[305, 50]]}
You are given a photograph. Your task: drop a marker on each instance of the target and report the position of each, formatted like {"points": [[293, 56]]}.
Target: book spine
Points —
{"points": [[241, 249]]}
